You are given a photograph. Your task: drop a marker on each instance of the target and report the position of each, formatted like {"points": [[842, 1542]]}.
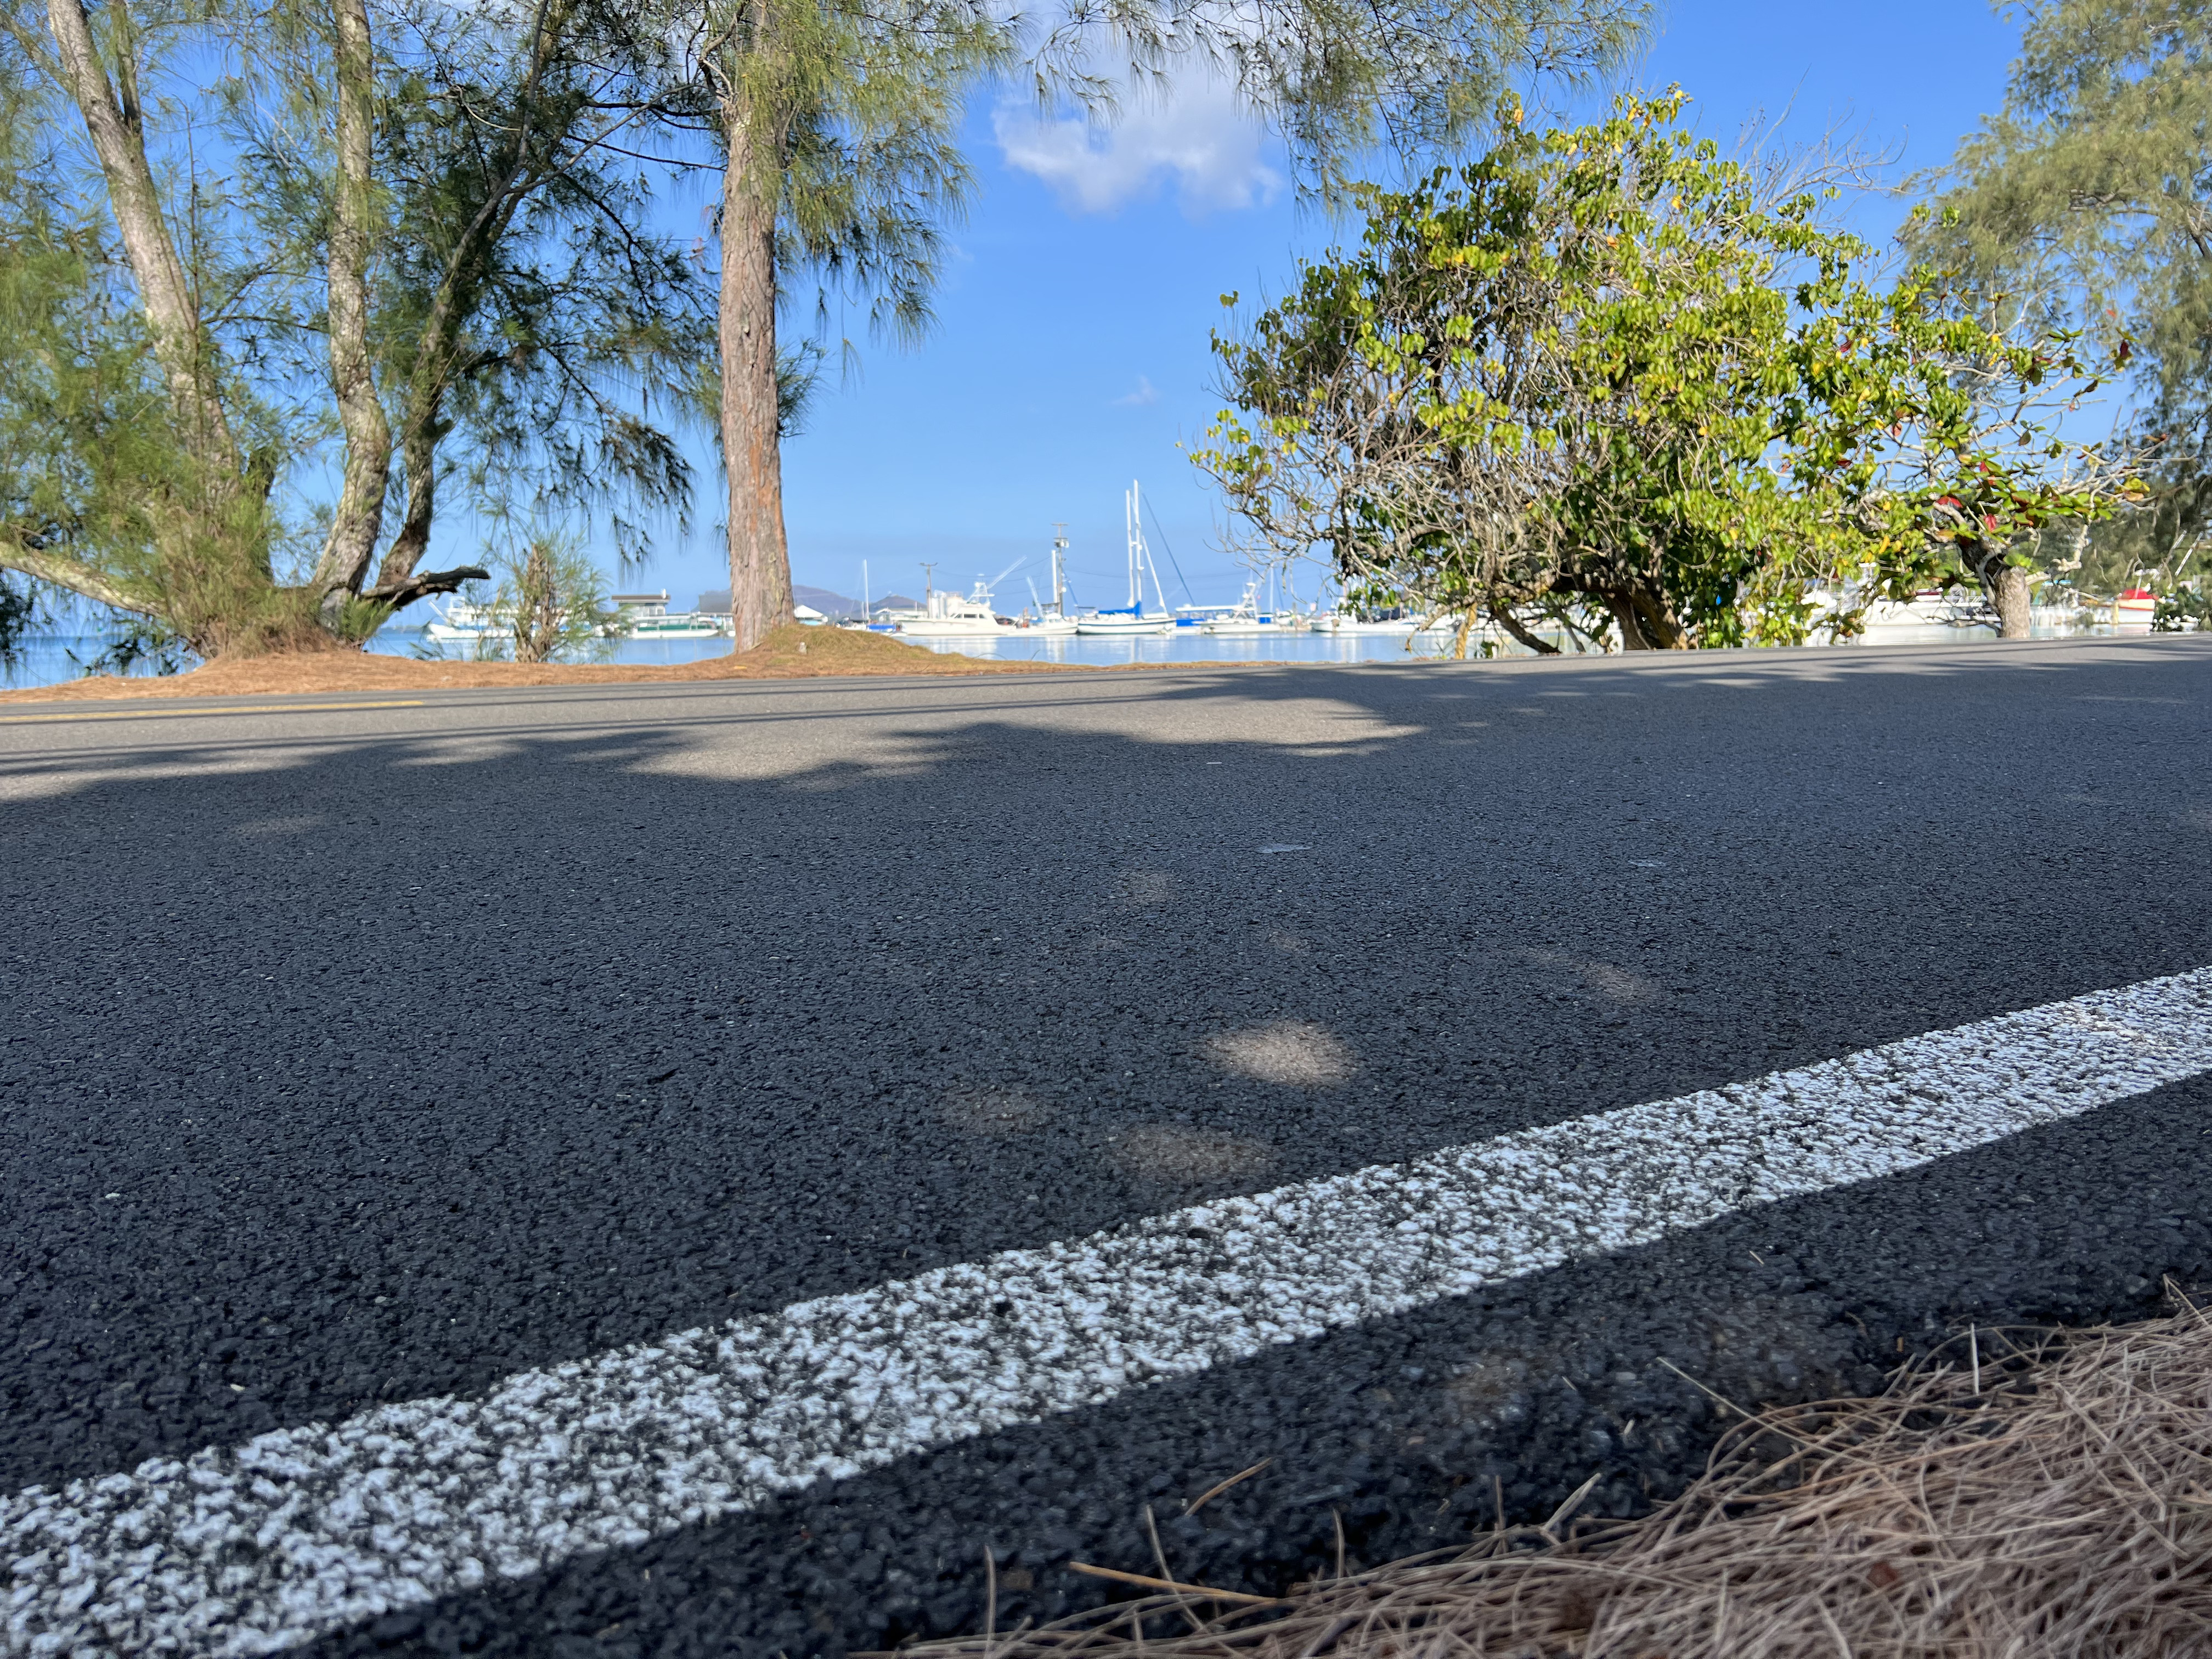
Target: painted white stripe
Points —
{"points": [[259, 1547]]}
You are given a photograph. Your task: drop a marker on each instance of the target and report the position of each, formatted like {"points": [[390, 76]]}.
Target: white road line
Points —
{"points": [[259, 1547]]}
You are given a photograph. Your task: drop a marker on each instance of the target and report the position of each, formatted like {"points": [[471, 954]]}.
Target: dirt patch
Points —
{"points": [[2019, 1493], [789, 653]]}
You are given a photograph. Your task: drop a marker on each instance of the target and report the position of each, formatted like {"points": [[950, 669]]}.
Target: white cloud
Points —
{"points": [[1145, 393], [1198, 133]]}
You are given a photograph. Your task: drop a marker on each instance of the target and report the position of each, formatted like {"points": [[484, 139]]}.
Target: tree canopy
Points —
{"points": [[407, 240], [1604, 382], [2092, 190]]}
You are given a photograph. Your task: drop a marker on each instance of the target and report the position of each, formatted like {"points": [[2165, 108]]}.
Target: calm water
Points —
{"points": [[46, 656], [1192, 645]]}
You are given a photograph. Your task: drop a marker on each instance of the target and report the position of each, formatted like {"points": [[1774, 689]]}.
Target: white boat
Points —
{"points": [[647, 616], [1132, 619], [2133, 611], [1052, 619], [1347, 622], [958, 616], [1929, 616], [1246, 620], [459, 619], [677, 625]]}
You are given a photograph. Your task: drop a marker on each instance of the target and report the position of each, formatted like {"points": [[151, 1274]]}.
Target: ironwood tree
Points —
{"points": [[408, 233], [2092, 189]]}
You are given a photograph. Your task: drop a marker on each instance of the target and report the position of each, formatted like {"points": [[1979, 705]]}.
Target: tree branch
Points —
{"points": [[403, 593], [73, 573]]}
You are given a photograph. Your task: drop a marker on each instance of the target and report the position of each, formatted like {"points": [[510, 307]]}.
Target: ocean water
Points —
{"points": [[47, 657]]}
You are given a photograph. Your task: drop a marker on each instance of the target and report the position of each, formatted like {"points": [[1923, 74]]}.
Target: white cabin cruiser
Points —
{"points": [[958, 616]]}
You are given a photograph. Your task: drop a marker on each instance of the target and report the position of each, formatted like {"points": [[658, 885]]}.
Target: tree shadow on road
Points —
{"points": [[378, 1063]]}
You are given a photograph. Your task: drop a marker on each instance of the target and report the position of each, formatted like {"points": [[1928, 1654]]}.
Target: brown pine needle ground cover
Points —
{"points": [[791, 653], [2057, 1501]]}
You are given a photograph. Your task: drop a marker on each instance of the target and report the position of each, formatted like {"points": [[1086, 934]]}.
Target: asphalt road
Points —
{"points": [[354, 1058]]}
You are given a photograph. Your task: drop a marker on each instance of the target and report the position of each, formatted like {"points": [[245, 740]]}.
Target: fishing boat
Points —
{"points": [[1052, 617], [1247, 620]]}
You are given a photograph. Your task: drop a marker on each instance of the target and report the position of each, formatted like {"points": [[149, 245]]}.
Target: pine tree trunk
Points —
{"points": [[218, 589], [760, 561], [351, 543], [112, 120]]}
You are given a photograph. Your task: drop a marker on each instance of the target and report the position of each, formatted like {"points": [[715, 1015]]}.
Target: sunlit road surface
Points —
{"points": [[688, 1169]]}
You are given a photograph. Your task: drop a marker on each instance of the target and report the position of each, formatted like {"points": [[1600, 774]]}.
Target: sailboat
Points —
{"points": [[1131, 618]]}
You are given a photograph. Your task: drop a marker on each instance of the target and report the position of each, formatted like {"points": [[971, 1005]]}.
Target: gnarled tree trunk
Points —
{"points": [[2004, 585], [217, 587], [2009, 592], [113, 120]]}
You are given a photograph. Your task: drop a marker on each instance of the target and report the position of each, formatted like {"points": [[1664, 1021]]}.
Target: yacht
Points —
{"points": [[958, 616], [1350, 622], [1129, 620], [647, 616], [459, 619]]}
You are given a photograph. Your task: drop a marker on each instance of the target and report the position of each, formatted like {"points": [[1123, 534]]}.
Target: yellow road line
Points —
{"points": [[180, 714]]}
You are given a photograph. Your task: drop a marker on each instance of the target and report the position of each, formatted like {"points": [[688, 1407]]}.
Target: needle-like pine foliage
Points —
{"points": [[2093, 188], [533, 332]]}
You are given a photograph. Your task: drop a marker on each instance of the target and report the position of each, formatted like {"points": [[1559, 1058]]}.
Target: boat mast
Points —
{"points": [[1059, 576], [1129, 530]]}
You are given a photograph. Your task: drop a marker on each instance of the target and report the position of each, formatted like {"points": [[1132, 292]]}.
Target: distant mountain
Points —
{"points": [[823, 600], [717, 603]]}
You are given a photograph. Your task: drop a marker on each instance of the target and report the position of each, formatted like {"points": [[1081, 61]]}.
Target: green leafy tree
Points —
{"points": [[1606, 381], [837, 122]]}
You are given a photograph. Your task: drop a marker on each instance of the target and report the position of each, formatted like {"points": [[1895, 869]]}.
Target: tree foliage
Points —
{"points": [[406, 238], [2093, 188], [1603, 380], [548, 603]]}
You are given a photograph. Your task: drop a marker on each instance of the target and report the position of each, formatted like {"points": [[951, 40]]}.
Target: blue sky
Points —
{"points": [[1070, 353]]}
